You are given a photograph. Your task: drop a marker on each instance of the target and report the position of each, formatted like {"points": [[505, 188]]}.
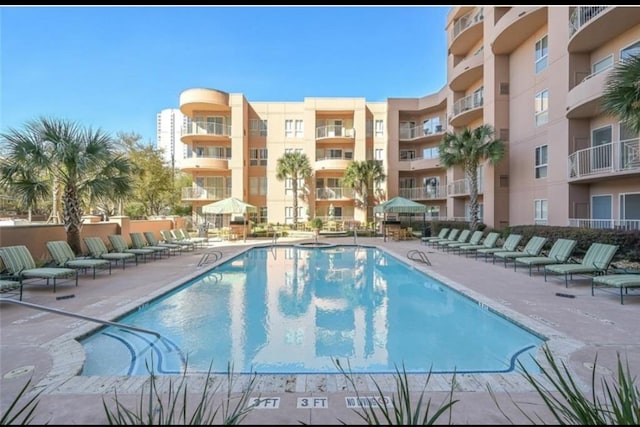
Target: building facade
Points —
{"points": [[535, 74], [169, 125]]}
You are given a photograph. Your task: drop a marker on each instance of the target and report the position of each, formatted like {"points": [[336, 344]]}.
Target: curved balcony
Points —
{"points": [[418, 163], [205, 193], [515, 26], [331, 164], [420, 133], [467, 31], [201, 131], [583, 101], [592, 26], [333, 133], [200, 99], [195, 164], [467, 72], [466, 110]]}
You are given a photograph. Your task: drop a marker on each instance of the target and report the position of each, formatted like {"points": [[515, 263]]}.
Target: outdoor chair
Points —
{"points": [[139, 242], [475, 239], [99, 250], [451, 237], [120, 245], [558, 254], [489, 242], [21, 266], [441, 235], [153, 241], [463, 237], [510, 244], [183, 234], [596, 261], [169, 238], [64, 256], [620, 282], [532, 248]]}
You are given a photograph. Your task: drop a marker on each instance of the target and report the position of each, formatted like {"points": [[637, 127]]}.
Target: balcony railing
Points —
{"points": [[206, 128], [334, 193], [461, 187], [618, 156], [475, 100], [419, 131], [620, 224], [581, 15], [467, 20], [424, 193], [333, 131], [206, 193]]}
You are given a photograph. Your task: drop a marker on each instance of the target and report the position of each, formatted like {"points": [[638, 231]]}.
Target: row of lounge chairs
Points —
{"points": [[559, 262], [17, 264]]}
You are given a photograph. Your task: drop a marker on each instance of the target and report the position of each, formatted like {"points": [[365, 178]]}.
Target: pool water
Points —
{"points": [[289, 309]]}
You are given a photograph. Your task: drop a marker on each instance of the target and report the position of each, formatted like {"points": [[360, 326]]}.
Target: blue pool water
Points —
{"points": [[290, 309]]}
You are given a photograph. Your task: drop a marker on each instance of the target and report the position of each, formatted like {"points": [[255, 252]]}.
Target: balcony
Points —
{"points": [[334, 193], [200, 99], [332, 163], [424, 193], [592, 26], [515, 26], [467, 109], [619, 158], [195, 164], [467, 72], [466, 32], [334, 133], [205, 193], [584, 100], [461, 187], [619, 224], [205, 131], [420, 132], [418, 163]]}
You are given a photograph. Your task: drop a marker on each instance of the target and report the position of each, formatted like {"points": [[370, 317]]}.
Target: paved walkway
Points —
{"points": [[41, 345]]}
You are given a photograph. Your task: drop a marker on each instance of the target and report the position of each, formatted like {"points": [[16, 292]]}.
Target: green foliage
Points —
{"points": [[617, 404], [401, 410], [20, 413], [621, 96], [171, 408], [361, 176], [316, 223], [295, 166]]}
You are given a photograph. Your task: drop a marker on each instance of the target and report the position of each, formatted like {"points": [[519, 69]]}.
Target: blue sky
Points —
{"points": [[115, 68]]}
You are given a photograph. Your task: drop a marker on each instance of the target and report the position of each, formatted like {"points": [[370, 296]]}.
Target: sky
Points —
{"points": [[115, 68]]}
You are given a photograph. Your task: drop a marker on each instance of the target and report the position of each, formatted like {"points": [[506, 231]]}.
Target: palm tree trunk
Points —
{"points": [[294, 186], [72, 213], [472, 176]]}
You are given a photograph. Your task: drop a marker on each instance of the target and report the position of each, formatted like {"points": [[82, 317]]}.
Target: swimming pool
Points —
{"points": [[291, 309]]}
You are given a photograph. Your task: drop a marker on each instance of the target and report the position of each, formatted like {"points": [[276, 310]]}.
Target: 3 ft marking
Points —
{"points": [[313, 402], [265, 402]]}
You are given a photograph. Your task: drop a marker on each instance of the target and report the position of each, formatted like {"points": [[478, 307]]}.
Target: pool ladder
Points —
{"points": [[204, 260], [419, 256]]}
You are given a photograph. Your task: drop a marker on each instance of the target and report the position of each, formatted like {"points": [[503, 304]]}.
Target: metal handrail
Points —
{"points": [[205, 257], [79, 316]]}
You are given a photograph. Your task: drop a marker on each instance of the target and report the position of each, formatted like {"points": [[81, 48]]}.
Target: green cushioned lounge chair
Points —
{"points": [[120, 245], [475, 239], [9, 287], [532, 248], [139, 242], [64, 256], [596, 261], [451, 237], [559, 253], [183, 233], [488, 242], [169, 238], [99, 250], [623, 282], [20, 265], [463, 237], [153, 241], [444, 232], [510, 244]]}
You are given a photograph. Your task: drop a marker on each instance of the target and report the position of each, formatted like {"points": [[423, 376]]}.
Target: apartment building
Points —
{"points": [[536, 74], [170, 123]]}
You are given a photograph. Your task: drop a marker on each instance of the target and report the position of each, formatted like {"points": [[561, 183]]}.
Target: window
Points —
{"points": [[299, 128], [542, 107], [431, 153], [379, 154], [632, 50], [258, 186], [259, 217], [257, 127], [601, 148], [288, 214], [542, 54], [407, 154], [541, 161], [602, 65], [288, 185], [292, 150], [379, 128], [258, 157], [540, 214], [288, 128]]}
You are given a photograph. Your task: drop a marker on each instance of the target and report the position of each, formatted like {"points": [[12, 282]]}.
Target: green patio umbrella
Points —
{"points": [[399, 205], [230, 205]]}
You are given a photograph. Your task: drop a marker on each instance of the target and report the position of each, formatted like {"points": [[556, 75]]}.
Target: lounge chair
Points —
{"points": [[184, 233], [169, 238], [510, 244], [558, 254], [64, 256], [139, 242], [463, 237], [20, 266], [9, 287], [532, 248], [99, 250], [153, 241], [441, 235], [475, 239], [451, 237], [120, 245], [623, 282], [488, 242], [596, 261]]}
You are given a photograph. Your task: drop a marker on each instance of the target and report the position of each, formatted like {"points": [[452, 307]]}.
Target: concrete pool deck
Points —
{"points": [[41, 345]]}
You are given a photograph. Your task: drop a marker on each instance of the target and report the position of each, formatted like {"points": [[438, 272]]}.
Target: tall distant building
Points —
{"points": [[169, 130]]}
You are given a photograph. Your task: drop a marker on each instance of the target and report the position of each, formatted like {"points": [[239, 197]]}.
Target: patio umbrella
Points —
{"points": [[400, 205], [230, 205]]}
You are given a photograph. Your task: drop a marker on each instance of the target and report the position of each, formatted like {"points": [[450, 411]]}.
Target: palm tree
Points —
{"points": [[621, 97], [83, 162], [296, 166], [468, 149], [361, 176]]}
